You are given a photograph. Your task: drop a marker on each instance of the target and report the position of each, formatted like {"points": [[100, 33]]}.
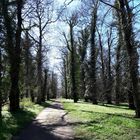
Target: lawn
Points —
{"points": [[97, 122], [11, 124]]}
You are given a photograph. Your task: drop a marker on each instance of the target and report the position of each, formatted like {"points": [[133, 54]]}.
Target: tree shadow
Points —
{"points": [[42, 131], [124, 115], [12, 123], [121, 106], [46, 104], [36, 131], [55, 105], [121, 115]]}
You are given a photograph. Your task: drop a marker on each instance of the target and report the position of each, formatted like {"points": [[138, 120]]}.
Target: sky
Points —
{"points": [[54, 40]]}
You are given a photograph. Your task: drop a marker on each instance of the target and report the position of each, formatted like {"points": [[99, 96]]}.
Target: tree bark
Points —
{"points": [[83, 43], [44, 87], [93, 90], [65, 78], [117, 68], [0, 83], [130, 98], [72, 54], [14, 52], [27, 80], [39, 64], [109, 83], [103, 76], [126, 19]]}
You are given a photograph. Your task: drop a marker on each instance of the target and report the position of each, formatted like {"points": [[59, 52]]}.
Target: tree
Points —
{"points": [[93, 53], [13, 49], [0, 83], [40, 21], [127, 27], [118, 59], [27, 64], [1, 40], [109, 75], [44, 86], [126, 18], [70, 43], [82, 51], [64, 74], [54, 85], [103, 72]]}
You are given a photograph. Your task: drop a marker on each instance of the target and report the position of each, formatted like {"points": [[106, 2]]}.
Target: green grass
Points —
{"points": [[11, 124], [96, 122]]}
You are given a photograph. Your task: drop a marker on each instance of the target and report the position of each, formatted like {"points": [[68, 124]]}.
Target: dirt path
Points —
{"points": [[50, 124]]}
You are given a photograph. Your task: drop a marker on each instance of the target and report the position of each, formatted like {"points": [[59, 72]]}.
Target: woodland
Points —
{"points": [[98, 48]]}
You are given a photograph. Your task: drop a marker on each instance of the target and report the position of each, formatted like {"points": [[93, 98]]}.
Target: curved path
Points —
{"points": [[50, 124]]}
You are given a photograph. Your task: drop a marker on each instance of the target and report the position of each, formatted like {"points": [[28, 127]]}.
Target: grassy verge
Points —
{"points": [[10, 124], [95, 122]]}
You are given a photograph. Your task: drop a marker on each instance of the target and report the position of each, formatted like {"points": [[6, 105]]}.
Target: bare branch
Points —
{"points": [[111, 5]]}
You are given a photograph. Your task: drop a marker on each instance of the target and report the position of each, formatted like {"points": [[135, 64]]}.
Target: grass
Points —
{"points": [[96, 122], [11, 124]]}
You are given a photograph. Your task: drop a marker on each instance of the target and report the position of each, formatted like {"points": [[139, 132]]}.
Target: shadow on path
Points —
{"points": [[50, 124]]}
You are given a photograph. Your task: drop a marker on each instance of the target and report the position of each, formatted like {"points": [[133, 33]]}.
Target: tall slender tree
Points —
{"points": [[0, 82], [127, 27], [93, 90], [13, 48], [83, 45]]}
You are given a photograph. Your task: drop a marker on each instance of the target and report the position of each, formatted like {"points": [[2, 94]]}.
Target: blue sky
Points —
{"points": [[54, 38]]}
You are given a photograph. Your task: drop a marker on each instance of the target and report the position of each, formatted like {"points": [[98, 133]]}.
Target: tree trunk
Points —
{"points": [[93, 90], [126, 16], [102, 67], [130, 98], [65, 78], [73, 80], [82, 79], [48, 94], [32, 95], [109, 82], [39, 65], [44, 87], [39, 80], [14, 90], [117, 68], [72, 54], [14, 51], [0, 83], [27, 80]]}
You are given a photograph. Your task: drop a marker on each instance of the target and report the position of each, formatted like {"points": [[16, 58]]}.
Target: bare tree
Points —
{"points": [[41, 15], [0, 82], [72, 22]]}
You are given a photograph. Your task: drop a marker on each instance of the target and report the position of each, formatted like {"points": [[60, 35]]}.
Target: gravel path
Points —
{"points": [[50, 124]]}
